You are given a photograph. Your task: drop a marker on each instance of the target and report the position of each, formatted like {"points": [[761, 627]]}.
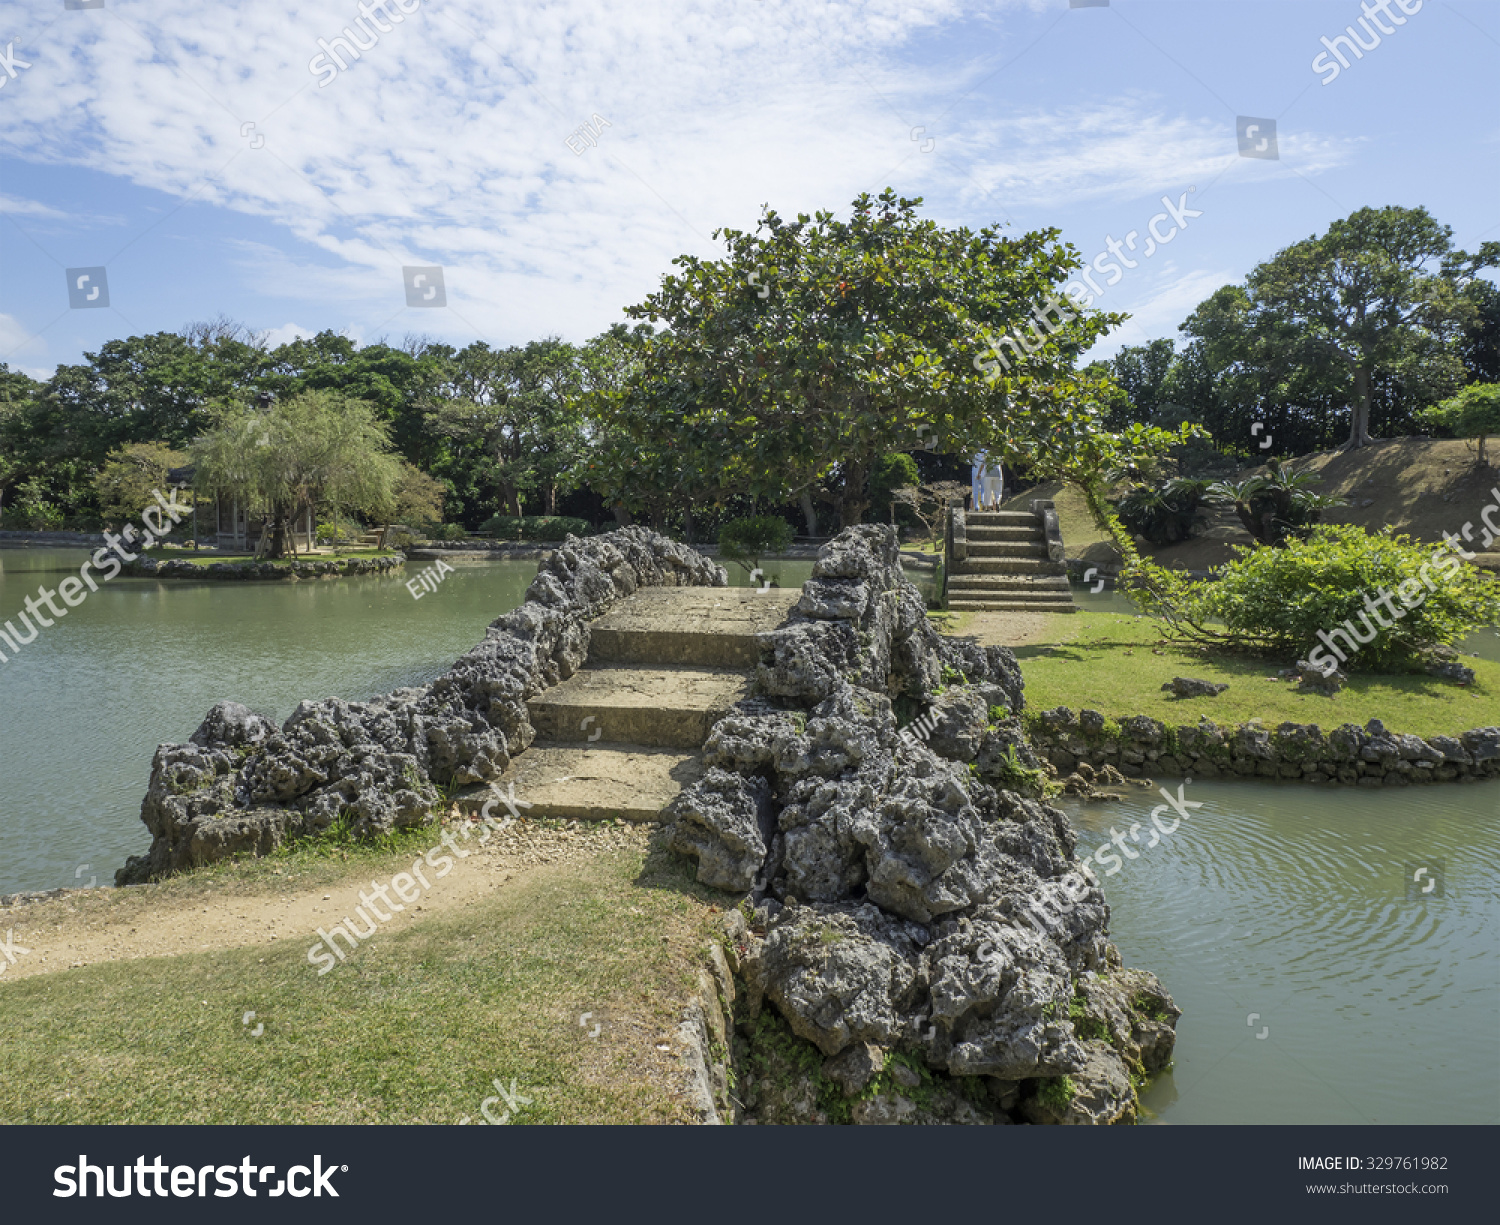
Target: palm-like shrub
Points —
{"points": [[1276, 506], [1163, 514]]}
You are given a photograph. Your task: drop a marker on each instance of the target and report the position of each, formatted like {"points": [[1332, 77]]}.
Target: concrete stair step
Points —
{"points": [[665, 706], [982, 533], [1011, 596], [1008, 548], [631, 782], [711, 627], [1010, 565], [1001, 518], [1010, 605], [1052, 583]]}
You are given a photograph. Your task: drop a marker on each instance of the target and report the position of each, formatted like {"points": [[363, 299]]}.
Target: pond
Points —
{"points": [[1379, 1002], [1319, 982]]}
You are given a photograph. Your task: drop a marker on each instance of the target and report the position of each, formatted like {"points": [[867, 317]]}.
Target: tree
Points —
{"points": [[125, 483], [418, 499], [817, 345], [1376, 293], [1473, 413], [520, 409], [314, 447]]}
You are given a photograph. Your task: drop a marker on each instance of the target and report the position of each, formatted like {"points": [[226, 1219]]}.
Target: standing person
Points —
{"points": [[986, 483]]}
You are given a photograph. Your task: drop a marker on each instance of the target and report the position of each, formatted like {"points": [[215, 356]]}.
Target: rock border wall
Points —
{"points": [[1369, 756], [242, 785]]}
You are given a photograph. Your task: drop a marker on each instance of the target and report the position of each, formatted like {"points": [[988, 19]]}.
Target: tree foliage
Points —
{"points": [[313, 448], [816, 346]]}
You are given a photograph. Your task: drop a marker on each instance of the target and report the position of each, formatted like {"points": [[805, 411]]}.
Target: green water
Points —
{"points": [[1285, 901], [1380, 1003]]}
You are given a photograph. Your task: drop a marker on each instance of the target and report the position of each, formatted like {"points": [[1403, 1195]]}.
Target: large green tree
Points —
{"points": [[816, 346], [317, 447], [1377, 299], [520, 410]]}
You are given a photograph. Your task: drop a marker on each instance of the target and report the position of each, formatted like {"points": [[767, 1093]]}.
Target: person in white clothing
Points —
{"points": [[987, 483]]}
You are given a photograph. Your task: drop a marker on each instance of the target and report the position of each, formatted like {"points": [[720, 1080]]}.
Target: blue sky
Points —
{"points": [[191, 151]]}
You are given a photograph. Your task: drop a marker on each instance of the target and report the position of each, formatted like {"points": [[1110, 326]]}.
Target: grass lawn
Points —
{"points": [[412, 1029], [1117, 664]]}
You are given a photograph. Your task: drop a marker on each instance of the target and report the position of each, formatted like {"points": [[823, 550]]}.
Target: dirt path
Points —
{"points": [[96, 925], [1010, 629]]}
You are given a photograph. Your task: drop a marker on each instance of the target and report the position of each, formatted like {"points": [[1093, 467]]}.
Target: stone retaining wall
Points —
{"points": [[1369, 756], [150, 567]]}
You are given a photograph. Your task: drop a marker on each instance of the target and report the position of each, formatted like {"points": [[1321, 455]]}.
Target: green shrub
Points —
{"points": [[1281, 598], [450, 531], [1163, 514], [890, 473], [533, 527], [748, 540]]}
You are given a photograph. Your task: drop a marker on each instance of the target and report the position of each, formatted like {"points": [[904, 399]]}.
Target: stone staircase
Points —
{"points": [[1007, 566], [621, 737]]}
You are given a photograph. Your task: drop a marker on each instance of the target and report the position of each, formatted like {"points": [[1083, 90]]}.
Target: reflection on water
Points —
{"points": [[1291, 910]]}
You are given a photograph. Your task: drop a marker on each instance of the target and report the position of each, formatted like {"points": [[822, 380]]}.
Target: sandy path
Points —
{"points": [[97, 925], [1009, 629]]}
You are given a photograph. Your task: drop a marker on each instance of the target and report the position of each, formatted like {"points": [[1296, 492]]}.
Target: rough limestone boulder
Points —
{"points": [[920, 922], [1189, 687], [242, 786]]}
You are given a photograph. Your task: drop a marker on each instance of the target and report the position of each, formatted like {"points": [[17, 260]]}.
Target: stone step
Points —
{"points": [[711, 627], [1009, 596], [1054, 583], [1010, 565], [983, 533], [666, 706], [1000, 518], [570, 782], [1008, 548], [1009, 605]]}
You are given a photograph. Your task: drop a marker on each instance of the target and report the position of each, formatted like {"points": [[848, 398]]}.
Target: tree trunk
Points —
{"points": [[854, 501], [1359, 411], [278, 532], [549, 499], [512, 499], [809, 512], [622, 516], [687, 523]]}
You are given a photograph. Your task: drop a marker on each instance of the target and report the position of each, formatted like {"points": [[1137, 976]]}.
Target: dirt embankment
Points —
{"points": [[1420, 486]]}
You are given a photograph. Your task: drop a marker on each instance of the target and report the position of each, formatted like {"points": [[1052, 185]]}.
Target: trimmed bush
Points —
{"points": [[1281, 598], [534, 527], [749, 539]]}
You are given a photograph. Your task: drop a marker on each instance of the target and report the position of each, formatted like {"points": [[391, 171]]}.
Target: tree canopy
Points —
{"points": [[816, 346], [313, 447]]}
